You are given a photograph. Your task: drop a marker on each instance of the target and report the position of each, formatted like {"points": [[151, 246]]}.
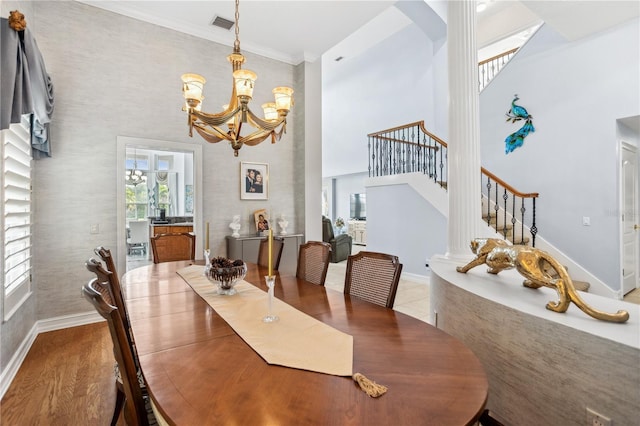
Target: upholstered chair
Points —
{"points": [[340, 244]]}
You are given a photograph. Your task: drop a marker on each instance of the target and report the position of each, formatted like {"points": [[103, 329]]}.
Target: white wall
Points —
{"points": [[575, 92], [402, 222], [386, 86]]}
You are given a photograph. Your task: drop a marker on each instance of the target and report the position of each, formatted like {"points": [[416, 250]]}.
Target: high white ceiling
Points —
{"points": [[297, 30]]}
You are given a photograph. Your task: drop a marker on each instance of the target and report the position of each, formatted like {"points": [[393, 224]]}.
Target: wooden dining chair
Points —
{"points": [[108, 285], [373, 277], [138, 409], [263, 253], [313, 261], [105, 255], [175, 246], [111, 277]]}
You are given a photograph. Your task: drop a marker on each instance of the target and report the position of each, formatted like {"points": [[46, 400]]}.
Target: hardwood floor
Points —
{"points": [[66, 379]]}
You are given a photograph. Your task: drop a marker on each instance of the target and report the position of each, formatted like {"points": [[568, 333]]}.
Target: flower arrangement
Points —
{"points": [[339, 222]]}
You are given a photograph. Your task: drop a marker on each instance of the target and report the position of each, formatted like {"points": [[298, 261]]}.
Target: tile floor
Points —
{"points": [[633, 296]]}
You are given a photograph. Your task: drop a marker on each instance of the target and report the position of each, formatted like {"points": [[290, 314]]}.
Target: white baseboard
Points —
{"points": [[51, 324], [67, 321], [16, 360]]}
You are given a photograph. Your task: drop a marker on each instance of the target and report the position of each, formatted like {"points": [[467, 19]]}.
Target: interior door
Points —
{"points": [[630, 219]]}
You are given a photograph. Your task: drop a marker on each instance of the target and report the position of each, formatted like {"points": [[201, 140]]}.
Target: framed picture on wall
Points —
{"points": [[254, 181], [261, 218]]}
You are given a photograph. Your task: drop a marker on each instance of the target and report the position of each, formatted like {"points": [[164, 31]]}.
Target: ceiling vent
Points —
{"points": [[222, 23]]}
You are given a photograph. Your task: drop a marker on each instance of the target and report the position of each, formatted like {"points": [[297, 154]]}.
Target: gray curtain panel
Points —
{"points": [[26, 86]]}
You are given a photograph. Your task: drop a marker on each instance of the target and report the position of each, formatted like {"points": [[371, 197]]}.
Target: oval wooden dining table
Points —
{"points": [[200, 372]]}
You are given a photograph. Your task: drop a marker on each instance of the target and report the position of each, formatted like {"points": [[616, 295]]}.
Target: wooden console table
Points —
{"points": [[246, 248]]}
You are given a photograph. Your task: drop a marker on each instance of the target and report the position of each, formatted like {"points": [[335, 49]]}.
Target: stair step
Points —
{"points": [[493, 219], [579, 285]]}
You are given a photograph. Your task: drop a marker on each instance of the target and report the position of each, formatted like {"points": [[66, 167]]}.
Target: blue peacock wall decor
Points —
{"points": [[517, 113]]}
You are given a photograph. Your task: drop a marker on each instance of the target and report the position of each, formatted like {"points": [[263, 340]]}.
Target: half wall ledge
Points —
{"points": [[543, 367]]}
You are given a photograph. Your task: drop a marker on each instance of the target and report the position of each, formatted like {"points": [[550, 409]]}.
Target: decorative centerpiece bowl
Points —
{"points": [[225, 273]]}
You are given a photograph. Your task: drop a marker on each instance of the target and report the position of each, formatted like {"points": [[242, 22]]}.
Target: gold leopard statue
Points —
{"points": [[535, 266]]}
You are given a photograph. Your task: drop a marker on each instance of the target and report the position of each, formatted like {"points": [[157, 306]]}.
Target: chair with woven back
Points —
{"points": [[373, 277], [263, 253], [138, 408], [173, 246], [313, 261], [107, 283]]}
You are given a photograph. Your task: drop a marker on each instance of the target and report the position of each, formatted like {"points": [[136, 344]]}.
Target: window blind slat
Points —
{"points": [[16, 214]]}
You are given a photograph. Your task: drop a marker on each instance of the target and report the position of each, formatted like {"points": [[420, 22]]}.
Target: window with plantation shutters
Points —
{"points": [[16, 215]]}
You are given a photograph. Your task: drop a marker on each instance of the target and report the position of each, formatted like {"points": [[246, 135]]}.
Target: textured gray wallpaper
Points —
{"points": [[116, 76]]}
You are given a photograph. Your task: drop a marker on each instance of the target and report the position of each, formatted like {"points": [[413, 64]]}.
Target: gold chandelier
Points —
{"points": [[211, 126], [135, 176]]}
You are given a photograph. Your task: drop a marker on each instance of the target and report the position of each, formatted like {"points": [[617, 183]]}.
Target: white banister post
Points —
{"points": [[464, 135]]}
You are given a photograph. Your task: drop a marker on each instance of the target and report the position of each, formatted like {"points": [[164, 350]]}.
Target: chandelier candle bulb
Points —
{"points": [[270, 111], [283, 96], [192, 88], [245, 81]]}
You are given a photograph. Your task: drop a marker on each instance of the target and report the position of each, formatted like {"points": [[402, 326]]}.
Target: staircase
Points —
{"points": [[411, 148]]}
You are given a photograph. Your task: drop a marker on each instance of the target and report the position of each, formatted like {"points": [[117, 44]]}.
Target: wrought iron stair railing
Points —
{"points": [[490, 67], [411, 148]]}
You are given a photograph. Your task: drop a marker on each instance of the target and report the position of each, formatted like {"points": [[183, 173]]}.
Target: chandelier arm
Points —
{"points": [[255, 138], [209, 136], [276, 136], [216, 119], [263, 124]]}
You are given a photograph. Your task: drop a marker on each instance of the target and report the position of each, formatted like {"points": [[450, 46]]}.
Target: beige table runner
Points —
{"points": [[297, 340]]}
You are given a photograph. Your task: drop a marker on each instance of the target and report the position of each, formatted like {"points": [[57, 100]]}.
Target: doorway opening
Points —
{"points": [[159, 185]]}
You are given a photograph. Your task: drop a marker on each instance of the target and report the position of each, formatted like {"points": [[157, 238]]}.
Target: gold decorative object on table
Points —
{"points": [[533, 264], [226, 125]]}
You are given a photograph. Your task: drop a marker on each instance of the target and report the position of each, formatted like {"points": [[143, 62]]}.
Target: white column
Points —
{"points": [[313, 150], [464, 136]]}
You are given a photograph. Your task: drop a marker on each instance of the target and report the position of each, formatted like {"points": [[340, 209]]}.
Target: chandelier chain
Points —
{"points": [[236, 44]]}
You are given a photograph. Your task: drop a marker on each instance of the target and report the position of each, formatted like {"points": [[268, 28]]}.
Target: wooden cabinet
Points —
{"points": [[357, 229], [169, 229], [246, 248]]}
